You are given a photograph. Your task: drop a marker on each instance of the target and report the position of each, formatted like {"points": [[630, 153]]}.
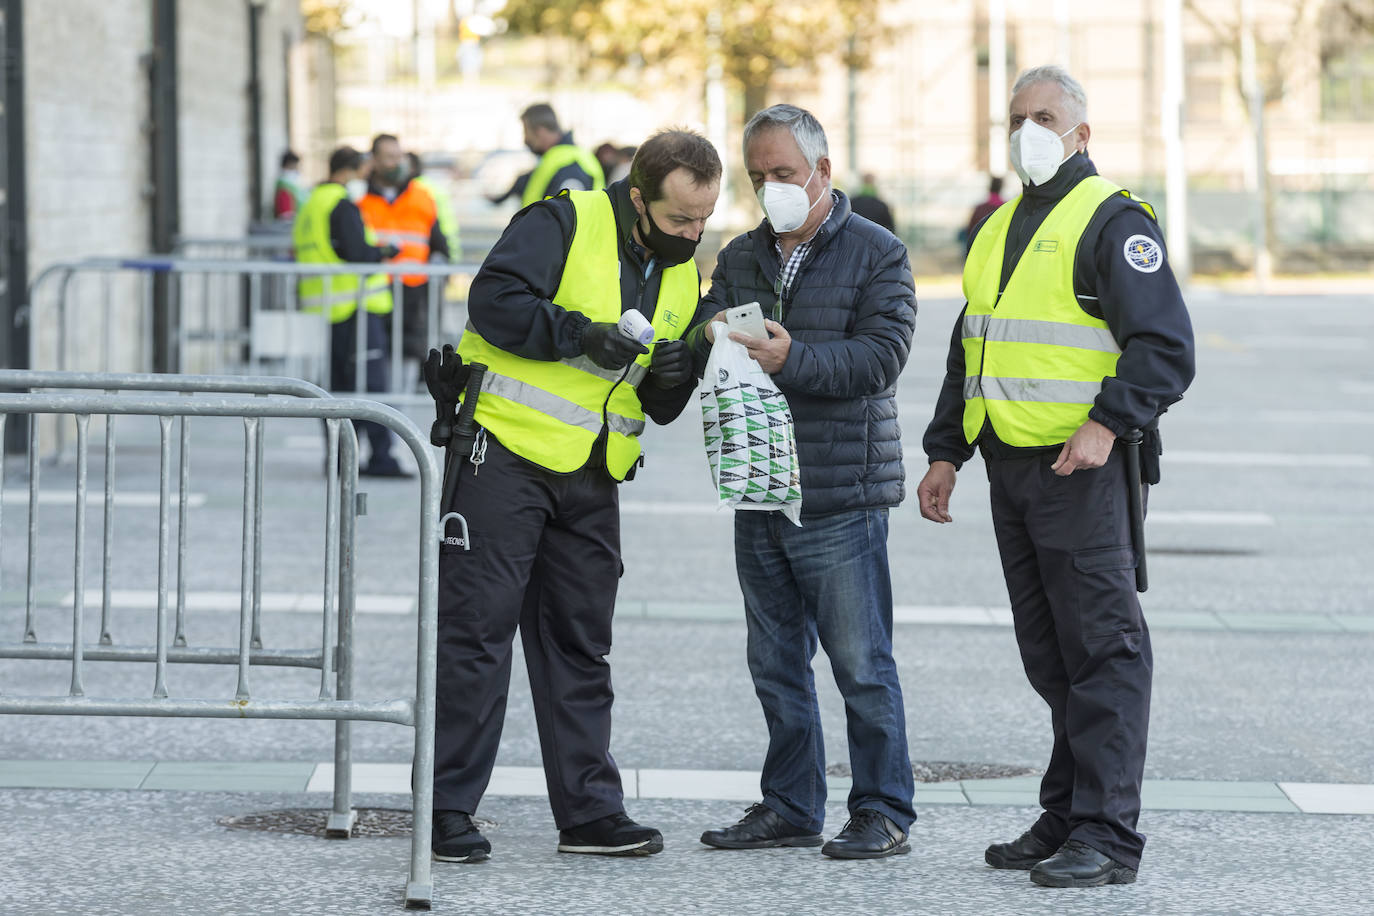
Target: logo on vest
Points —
{"points": [[1047, 245], [1143, 253]]}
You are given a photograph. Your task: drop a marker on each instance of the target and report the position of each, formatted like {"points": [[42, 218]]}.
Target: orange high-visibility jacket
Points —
{"points": [[406, 222]]}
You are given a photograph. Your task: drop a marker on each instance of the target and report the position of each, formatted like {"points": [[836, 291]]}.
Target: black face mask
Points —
{"points": [[671, 250]]}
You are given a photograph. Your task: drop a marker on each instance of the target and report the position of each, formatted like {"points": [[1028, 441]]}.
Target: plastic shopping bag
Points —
{"points": [[751, 446]]}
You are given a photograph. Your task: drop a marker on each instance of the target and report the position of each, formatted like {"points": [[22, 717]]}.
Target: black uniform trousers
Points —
{"points": [[343, 374], [1066, 552], [545, 558]]}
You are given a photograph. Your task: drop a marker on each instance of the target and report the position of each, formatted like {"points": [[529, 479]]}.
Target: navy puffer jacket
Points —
{"points": [[850, 311]]}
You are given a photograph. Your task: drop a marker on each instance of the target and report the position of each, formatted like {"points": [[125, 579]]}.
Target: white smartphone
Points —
{"points": [[747, 319]]}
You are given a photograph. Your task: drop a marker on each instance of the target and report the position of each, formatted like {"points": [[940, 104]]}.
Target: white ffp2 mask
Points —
{"points": [[1036, 152], [786, 205], [357, 189]]}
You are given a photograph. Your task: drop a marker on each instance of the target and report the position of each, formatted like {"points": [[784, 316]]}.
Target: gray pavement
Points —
{"points": [[116, 853], [1263, 516]]}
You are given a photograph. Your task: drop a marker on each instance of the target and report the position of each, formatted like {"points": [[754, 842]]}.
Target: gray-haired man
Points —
{"points": [[1075, 333], [843, 308]]}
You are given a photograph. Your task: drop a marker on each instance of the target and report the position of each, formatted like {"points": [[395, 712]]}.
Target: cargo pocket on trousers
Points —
{"points": [[459, 573], [1105, 587]]}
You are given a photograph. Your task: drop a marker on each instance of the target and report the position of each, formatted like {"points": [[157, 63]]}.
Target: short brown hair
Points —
{"points": [[670, 149]]}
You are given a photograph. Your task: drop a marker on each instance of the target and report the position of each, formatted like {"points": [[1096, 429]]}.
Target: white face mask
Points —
{"points": [[357, 189], [786, 205], [1036, 152]]}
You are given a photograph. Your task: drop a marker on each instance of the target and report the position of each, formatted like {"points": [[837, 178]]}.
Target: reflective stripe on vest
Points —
{"points": [[558, 157], [552, 412], [1034, 359], [340, 292], [405, 222], [633, 377]]}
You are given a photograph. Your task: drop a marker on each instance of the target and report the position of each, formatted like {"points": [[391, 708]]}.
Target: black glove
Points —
{"points": [[389, 251], [671, 364], [607, 347], [445, 375]]}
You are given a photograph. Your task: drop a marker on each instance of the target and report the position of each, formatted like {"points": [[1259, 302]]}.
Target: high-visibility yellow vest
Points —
{"points": [[551, 412], [554, 159], [310, 235], [1034, 360]]}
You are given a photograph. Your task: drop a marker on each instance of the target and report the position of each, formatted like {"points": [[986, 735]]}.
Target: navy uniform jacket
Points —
{"points": [[1144, 310]]}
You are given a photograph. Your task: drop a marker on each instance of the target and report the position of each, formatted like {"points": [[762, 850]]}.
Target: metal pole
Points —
{"points": [[83, 426], [717, 106], [1171, 127], [163, 539], [254, 310], [106, 319], [340, 822], [1255, 97], [997, 86], [30, 597], [418, 889], [250, 434], [183, 489], [107, 562], [256, 640], [398, 330], [331, 548]]}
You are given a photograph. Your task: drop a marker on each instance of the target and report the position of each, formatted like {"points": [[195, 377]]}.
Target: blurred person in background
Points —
{"points": [[1074, 336], [290, 192], [563, 166], [403, 212], [870, 206], [983, 210], [565, 399], [329, 229]]}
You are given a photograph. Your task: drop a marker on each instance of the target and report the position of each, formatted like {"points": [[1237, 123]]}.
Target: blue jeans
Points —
{"points": [[826, 584]]}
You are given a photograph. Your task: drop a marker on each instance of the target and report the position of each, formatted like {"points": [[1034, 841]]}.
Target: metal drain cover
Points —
{"points": [[949, 771], [371, 822]]}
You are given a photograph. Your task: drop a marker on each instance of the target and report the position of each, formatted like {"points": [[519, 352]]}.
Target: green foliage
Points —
{"points": [[753, 39]]}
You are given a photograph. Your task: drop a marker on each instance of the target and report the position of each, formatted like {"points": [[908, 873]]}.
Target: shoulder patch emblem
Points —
{"points": [[1143, 253]]}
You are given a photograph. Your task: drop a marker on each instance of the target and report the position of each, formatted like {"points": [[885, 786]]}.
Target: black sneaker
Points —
{"points": [[613, 835], [761, 828], [455, 838], [868, 835]]}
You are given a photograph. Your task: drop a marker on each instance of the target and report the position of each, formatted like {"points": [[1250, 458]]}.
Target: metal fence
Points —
{"points": [[172, 398], [230, 316]]}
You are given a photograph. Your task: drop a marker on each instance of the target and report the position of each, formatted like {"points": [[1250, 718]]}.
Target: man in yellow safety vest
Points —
{"points": [[1075, 336], [564, 400], [329, 229]]}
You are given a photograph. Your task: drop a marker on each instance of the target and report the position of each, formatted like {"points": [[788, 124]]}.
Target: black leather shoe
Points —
{"points": [[1021, 853], [613, 835], [1079, 865], [868, 835], [455, 838], [760, 828]]}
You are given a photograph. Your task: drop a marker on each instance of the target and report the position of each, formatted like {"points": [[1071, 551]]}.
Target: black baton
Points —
{"points": [[464, 433], [1136, 503]]}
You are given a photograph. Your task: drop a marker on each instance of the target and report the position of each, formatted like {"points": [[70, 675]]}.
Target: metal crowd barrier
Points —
{"points": [[234, 316], [253, 400], [273, 242]]}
